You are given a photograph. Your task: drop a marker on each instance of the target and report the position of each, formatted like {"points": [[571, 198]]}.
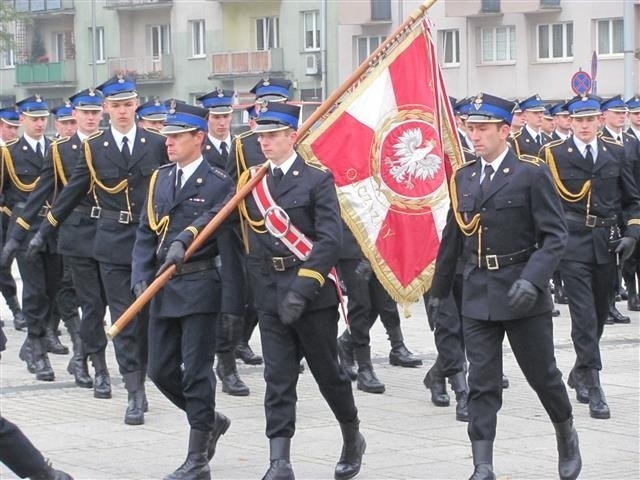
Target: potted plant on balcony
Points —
{"points": [[38, 51]]}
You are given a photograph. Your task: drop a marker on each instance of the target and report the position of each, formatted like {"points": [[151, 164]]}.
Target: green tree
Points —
{"points": [[8, 16], [38, 51]]}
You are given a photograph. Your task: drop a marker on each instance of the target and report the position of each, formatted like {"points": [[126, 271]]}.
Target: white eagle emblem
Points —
{"points": [[414, 159]]}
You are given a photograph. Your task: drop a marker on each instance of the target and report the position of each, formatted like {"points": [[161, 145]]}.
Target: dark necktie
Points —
{"points": [[538, 140], [39, 151], [223, 150], [486, 180], [277, 176], [588, 156], [126, 153], [178, 185]]}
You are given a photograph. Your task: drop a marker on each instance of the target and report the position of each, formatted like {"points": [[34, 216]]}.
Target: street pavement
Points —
{"points": [[407, 436]]}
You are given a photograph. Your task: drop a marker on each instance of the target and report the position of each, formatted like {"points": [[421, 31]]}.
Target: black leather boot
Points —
{"points": [[482, 460], [617, 317], [244, 352], [220, 427], [50, 473], [367, 379], [435, 383], [633, 304], [280, 468], [102, 380], [353, 447], [41, 363], [143, 377], [400, 355], [345, 355], [19, 322], [26, 354], [569, 460], [598, 407], [228, 375], [196, 466], [134, 414], [53, 343], [459, 385], [78, 363], [577, 381]]}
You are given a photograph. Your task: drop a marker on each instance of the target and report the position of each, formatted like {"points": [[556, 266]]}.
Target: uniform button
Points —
{"points": [[488, 249], [485, 229], [133, 204], [130, 174], [484, 209], [595, 204], [277, 243]]}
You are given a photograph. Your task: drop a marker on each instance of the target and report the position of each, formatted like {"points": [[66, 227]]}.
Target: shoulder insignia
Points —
{"points": [[530, 159], [516, 135], [629, 136], [12, 142], [154, 131], [610, 140], [242, 135], [218, 172], [317, 165], [554, 143], [466, 164], [166, 165], [60, 140], [95, 135]]}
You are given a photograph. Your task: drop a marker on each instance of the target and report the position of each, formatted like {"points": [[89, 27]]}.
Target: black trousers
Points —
{"points": [[40, 285], [630, 271], [66, 300], [314, 337], [130, 344], [17, 452], [588, 288], [89, 290], [366, 301], [7, 283], [447, 334], [187, 341], [531, 340]]}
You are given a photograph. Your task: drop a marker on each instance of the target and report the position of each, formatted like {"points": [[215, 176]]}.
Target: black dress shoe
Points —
{"points": [[367, 381], [401, 356], [633, 304], [244, 352], [617, 316], [438, 388]]}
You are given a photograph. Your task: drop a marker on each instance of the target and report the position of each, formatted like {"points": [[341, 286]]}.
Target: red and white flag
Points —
{"points": [[391, 144]]}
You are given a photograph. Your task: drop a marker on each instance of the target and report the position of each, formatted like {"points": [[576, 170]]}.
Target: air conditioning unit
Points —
{"points": [[312, 64]]}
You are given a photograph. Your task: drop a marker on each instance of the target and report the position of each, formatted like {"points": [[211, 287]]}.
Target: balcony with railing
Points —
{"points": [[44, 7], [479, 8], [50, 74], [137, 4], [253, 62], [147, 69]]}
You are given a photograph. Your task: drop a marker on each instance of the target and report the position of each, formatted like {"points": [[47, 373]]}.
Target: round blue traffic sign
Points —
{"points": [[581, 83]]}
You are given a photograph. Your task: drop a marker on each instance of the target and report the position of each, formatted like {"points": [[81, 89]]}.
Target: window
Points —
{"points": [[555, 41], [610, 36], [100, 53], [312, 30], [160, 40], [498, 44], [197, 38], [450, 47], [366, 46], [381, 10], [267, 33], [8, 58], [58, 47]]}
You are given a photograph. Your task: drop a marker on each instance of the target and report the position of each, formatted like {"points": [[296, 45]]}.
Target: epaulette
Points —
{"points": [[154, 130], [218, 172], [554, 143], [612, 141], [628, 135], [317, 165], [466, 164], [60, 140], [242, 135], [516, 135], [95, 135], [12, 142], [166, 165], [530, 159]]}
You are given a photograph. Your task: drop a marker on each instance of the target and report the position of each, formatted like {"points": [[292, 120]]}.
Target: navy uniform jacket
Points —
{"points": [[27, 166], [521, 211], [198, 200], [307, 193], [76, 235], [631, 151], [524, 144], [213, 156], [613, 193], [116, 231], [247, 145]]}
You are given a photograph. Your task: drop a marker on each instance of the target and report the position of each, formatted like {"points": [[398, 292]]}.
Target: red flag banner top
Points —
{"points": [[391, 144]]}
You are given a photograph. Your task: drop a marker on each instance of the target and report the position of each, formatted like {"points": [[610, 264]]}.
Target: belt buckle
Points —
{"points": [[95, 212], [124, 217], [591, 221], [278, 264], [43, 211], [492, 262]]}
